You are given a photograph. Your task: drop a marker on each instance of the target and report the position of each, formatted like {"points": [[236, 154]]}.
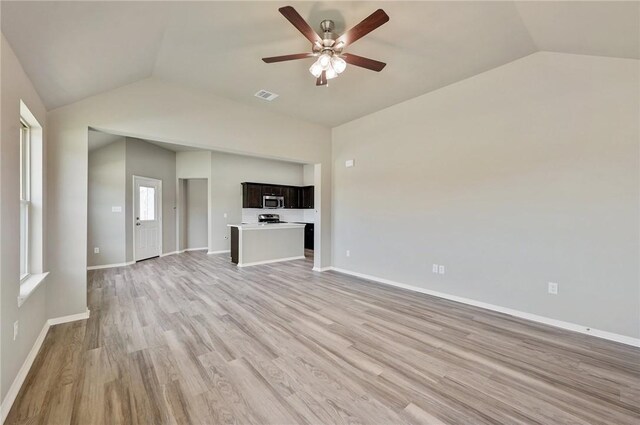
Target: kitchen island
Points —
{"points": [[262, 243]]}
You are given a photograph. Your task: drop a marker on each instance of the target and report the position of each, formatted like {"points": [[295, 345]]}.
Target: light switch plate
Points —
{"points": [[349, 163], [116, 209], [434, 268], [553, 288], [441, 269]]}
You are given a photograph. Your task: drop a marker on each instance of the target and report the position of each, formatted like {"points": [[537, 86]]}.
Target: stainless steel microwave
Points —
{"points": [[273, 201]]}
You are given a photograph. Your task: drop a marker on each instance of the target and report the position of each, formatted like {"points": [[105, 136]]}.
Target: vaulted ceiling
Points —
{"points": [[72, 50]]}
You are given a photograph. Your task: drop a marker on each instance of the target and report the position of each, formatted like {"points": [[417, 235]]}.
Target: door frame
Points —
{"points": [[133, 213]]}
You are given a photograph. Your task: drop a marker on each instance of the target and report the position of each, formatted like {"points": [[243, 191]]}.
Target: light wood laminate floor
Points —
{"points": [[190, 338]]}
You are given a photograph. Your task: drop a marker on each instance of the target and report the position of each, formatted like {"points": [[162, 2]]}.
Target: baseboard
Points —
{"points": [[257, 263], [14, 389], [70, 318], [195, 249], [322, 269], [108, 266], [623, 339], [170, 253], [224, 251]]}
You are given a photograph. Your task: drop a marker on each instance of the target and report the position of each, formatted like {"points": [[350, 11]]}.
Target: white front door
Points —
{"points": [[147, 217]]}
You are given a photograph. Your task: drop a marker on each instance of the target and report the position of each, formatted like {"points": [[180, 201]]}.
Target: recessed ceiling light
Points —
{"points": [[266, 95]]}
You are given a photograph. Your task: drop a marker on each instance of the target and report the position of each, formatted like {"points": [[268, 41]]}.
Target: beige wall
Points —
{"points": [[106, 229], [197, 213], [511, 179], [111, 169], [32, 314], [155, 110]]}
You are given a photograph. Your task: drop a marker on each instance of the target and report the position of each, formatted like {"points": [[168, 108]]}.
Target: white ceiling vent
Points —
{"points": [[266, 95]]}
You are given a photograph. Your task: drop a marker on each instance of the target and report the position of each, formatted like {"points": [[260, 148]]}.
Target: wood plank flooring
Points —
{"points": [[191, 339]]}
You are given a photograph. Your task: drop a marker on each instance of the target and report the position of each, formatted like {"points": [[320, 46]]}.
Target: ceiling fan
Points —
{"points": [[331, 61]]}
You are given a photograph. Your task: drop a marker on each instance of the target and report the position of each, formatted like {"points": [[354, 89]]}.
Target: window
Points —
{"points": [[25, 199], [147, 203], [30, 169]]}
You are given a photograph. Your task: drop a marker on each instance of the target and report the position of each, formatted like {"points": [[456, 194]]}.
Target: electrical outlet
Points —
{"points": [[434, 268], [553, 288], [15, 330], [224, 215], [96, 250], [441, 269], [348, 253]]}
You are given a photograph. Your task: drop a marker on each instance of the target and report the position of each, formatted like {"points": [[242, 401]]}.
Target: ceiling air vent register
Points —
{"points": [[266, 95]]}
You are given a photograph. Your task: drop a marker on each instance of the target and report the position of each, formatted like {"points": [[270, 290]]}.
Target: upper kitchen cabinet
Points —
{"points": [[292, 197], [251, 195], [273, 190], [307, 197]]}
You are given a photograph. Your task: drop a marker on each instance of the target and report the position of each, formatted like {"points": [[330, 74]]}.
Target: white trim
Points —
{"points": [[256, 263], [172, 253], [22, 373], [623, 339], [14, 389], [322, 269], [182, 251], [70, 318], [108, 266], [224, 251], [29, 285]]}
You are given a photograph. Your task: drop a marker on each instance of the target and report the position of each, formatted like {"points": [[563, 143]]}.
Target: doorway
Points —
{"points": [[147, 218]]}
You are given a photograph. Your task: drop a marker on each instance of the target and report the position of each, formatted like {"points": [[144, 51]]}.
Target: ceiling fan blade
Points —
{"points": [[363, 62], [287, 57], [302, 26], [367, 25], [322, 79]]}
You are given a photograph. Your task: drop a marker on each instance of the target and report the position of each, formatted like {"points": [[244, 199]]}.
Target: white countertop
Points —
{"points": [[267, 226]]}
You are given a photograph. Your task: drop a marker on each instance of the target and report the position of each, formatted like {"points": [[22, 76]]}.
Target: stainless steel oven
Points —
{"points": [[272, 201]]}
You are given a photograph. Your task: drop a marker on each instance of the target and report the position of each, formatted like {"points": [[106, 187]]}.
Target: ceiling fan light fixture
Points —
{"points": [[327, 49], [331, 73], [338, 64], [324, 61], [315, 69]]}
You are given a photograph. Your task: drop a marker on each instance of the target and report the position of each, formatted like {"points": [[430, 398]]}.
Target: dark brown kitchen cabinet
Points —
{"points": [[273, 190], [292, 197], [251, 195], [307, 197], [308, 235]]}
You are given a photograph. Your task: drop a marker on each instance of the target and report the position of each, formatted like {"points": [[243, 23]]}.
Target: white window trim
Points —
{"points": [[29, 285], [26, 201], [35, 275]]}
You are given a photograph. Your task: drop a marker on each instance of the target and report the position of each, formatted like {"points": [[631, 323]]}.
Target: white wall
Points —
{"points": [[106, 228], [513, 178], [32, 314], [155, 110], [228, 171]]}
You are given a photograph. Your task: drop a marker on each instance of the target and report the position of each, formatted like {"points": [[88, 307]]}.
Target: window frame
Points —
{"points": [[25, 196]]}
